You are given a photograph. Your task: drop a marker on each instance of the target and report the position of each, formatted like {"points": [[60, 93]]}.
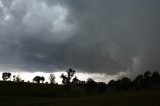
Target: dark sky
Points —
{"points": [[102, 36]]}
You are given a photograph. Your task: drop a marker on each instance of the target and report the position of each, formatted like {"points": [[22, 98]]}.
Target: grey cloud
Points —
{"points": [[92, 36]]}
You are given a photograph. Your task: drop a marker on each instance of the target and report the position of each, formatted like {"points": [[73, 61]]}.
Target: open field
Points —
{"points": [[39, 95], [143, 98]]}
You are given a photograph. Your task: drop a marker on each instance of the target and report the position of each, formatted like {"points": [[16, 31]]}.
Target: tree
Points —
{"points": [[124, 83], [147, 79], [6, 75], [14, 77], [42, 79], [17, 78], [66, 79], [70, 73], [121, 84], [75, 81], [101, 86], [38, 79], [155, 78], [147, 74], [139, 80], [112, 84], [52, 78], [91, 85], [138, 83], [78, 82]]}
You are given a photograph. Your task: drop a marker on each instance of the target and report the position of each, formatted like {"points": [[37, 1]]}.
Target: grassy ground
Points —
{"points": [[139, 98], [142, 98]]}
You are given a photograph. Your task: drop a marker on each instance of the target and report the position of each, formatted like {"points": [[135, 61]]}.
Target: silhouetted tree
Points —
{"points": [[17, 78], [42, 79], [139, 79], [38, 79], [66, 79], [6, 75], [121, 84], [14, 77], [114, 85], [90, 85], [82, 83], [147, 74], [101, 86], [155, 79], [124, 83], [138, 82], [147, 79], [76, 81], [52, 78], [142, 81], [70, 73]]}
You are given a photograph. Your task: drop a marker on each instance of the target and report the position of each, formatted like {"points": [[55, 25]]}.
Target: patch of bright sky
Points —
{"points": [[28, 76], [1, 4]]}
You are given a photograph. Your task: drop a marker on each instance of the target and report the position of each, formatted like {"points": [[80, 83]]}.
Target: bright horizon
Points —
{"points": [[28, 76]]}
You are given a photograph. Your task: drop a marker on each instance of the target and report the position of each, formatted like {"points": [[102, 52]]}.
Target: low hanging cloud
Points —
{"points": [[91, 36]]}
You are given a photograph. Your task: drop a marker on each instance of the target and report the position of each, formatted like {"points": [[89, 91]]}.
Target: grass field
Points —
{"points": [[15, 98], [142, 98]]}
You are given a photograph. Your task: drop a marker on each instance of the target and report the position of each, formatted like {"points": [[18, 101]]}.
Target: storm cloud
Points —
{"points": [[107, 36]]}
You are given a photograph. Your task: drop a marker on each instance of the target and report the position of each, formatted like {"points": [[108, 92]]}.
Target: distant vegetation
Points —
{"points": [[142, 91], [147, 80]]}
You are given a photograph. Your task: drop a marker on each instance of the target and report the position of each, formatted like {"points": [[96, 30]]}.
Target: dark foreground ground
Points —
{"points": [[142, 98], [20, 95]]}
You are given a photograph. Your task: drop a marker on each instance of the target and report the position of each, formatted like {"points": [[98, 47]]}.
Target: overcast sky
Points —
{"points": [[97, 36]]}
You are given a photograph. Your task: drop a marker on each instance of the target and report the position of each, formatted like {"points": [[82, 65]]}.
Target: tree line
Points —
{"points": [[147, 80]]}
